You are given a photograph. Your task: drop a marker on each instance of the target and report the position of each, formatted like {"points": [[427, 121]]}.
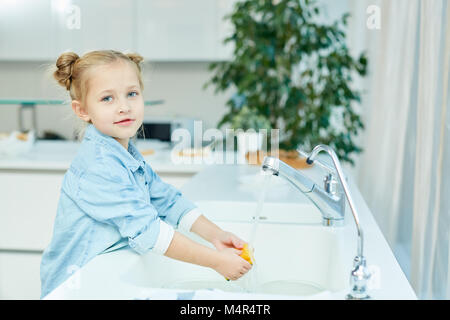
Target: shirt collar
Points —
{"points": [[131, 158]]}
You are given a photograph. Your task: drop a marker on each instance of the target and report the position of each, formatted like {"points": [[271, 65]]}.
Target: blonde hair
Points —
{"points": [[72, 72]]}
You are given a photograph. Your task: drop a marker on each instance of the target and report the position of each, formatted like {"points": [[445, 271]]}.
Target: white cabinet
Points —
{"points": [[87, 25], [43, 29], [26, 30], [181, 30], [29, 204], [160, 30], [176, 29], [20, 275], [224, 29]]}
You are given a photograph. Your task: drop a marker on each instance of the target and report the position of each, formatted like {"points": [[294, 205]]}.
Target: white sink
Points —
{"points": [[302, 213], [296, 257], [290, 260]]}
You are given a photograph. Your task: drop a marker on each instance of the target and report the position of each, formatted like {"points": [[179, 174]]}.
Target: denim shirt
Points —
{"points": [[110, 198]]}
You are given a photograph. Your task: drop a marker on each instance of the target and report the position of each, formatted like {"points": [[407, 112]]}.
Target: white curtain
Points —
{"points": [[404, 172]]}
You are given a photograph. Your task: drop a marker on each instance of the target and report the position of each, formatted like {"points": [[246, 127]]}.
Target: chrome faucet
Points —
{"points": [[329, 199], [331, 203]]}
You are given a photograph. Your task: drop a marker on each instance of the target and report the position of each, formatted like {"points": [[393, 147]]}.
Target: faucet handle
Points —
{"points": [[320, 163], [330, 184]]}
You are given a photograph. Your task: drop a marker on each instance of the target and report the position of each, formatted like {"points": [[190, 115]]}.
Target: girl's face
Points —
{"points": [[114, 95]]}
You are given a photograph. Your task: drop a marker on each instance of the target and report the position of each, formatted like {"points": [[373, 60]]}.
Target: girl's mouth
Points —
{"points": [[125, 122]]}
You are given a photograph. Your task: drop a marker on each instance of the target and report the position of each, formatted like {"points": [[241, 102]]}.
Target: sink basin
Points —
{"points": [[296, 260], [301, 213]]}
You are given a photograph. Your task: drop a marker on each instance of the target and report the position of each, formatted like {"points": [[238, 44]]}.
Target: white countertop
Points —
{"points": [[221, 182], [57, 155]]}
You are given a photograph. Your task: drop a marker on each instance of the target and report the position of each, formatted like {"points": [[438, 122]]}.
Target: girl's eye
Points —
{"points": [[108, 98]]}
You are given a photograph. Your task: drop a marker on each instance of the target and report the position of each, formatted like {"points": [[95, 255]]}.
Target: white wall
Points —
{"points": [[178, 83]]}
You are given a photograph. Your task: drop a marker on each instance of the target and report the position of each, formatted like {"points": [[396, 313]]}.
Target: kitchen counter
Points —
{"points": [[57, 155], [239, 183]]}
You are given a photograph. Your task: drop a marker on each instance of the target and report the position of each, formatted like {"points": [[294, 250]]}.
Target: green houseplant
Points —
{"points": [[247, 118], [295, 72]]}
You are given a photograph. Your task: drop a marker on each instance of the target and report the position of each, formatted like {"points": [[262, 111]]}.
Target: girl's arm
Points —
{"points": [[212, 233], [171, 204], [226, 262]]}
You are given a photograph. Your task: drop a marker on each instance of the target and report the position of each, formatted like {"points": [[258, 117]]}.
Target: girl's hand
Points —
{"points": [[212, 233], [231, 265], [225, 240]]}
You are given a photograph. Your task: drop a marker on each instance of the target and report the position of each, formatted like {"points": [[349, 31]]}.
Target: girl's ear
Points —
{"points": [[79, 111]]}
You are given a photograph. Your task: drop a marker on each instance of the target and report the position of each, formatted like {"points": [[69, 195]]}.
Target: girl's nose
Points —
{"points": [[124, 109]]}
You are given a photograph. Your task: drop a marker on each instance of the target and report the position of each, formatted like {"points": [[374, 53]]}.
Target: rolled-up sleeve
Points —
{"points": [[107, 194], [172, 206]]}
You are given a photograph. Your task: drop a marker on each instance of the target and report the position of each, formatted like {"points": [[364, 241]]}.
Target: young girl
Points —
{"points": [[110, 196]]}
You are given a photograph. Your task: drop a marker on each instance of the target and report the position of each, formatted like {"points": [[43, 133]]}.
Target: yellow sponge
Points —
{"points": [[247, 253]]}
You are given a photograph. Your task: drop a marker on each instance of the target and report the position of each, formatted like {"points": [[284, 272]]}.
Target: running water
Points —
{"points": [[259, 206], [252, 279]]}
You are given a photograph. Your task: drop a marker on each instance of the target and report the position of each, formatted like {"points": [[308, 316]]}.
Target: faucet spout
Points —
{"points": [[281, 169], [331, 205]]}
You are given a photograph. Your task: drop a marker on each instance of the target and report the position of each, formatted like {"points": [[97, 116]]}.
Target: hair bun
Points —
{"points": [[64, 64], [136, 58]]}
